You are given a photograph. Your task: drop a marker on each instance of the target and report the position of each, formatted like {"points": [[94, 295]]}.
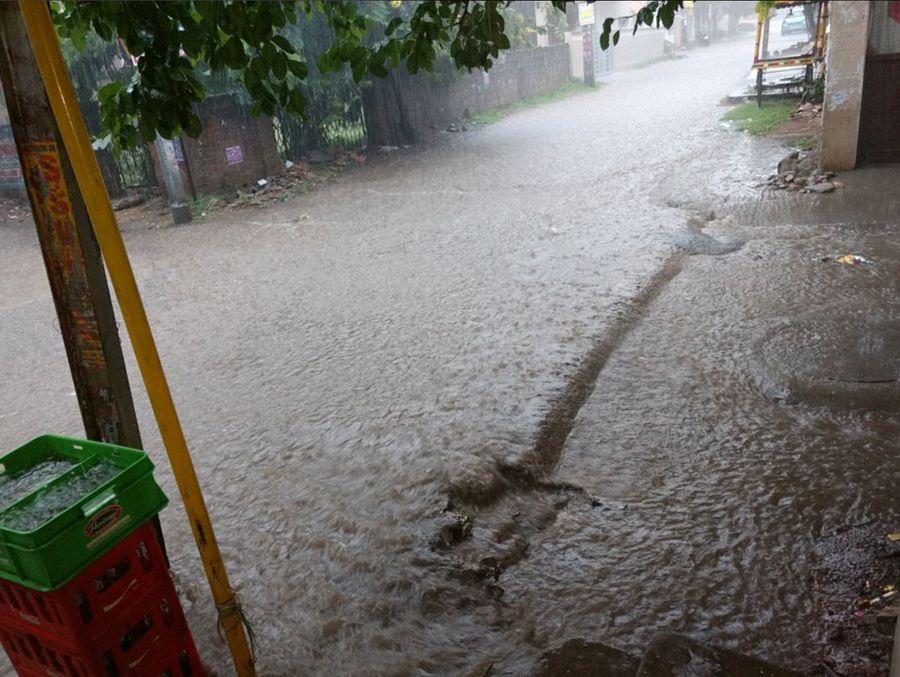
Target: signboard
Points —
{"points": [[586, 14], [234, 155]]}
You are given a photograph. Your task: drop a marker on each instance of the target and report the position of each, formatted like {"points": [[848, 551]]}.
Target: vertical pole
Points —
{"points": [[61, 95], [587, 47]]}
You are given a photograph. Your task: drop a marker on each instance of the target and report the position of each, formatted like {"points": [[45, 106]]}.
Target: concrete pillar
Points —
{"points": [[171, 175], [576, 56], [845, 65]]}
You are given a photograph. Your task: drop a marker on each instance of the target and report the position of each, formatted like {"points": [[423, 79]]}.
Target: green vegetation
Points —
{"points": [[759, 121], [205, 203], [805, 142], [570, 88]]}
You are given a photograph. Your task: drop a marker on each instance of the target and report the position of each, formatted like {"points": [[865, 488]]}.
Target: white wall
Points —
{"points": [[642, 47]]}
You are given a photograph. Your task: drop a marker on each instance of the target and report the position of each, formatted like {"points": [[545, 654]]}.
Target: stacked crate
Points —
{"points": [[88, 593]]}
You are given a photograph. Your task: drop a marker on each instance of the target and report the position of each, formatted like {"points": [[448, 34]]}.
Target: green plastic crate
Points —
{"points": [[46, 555]]}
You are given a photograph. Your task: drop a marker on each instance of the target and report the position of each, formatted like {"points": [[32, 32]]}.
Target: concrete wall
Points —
{"points": [[402, 108], [845, 64], [647, 45]]}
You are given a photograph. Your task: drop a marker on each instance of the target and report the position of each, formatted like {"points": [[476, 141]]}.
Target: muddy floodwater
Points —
{"points": [[428, 328]]}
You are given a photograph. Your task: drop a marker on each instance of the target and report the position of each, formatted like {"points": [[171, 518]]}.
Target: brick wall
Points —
{"points": [[403, 109], [234, 148]]}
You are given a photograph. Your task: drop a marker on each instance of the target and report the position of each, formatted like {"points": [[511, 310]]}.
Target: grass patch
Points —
{"points": [[206, 203], [805, 142], [492, 115], [750, 118]]}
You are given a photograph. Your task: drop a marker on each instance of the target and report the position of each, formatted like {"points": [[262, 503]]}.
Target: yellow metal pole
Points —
{"points": [[87, 173], [756, 55]]}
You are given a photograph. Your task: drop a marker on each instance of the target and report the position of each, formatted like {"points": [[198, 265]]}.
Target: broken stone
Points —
{"points": [[824, 187], [790, 163]]}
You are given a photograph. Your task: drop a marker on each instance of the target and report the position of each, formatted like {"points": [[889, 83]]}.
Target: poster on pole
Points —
{"points": [[586, 14]]}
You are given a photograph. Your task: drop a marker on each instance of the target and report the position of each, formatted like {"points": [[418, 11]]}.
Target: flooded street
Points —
{"points": [[428, 327]]}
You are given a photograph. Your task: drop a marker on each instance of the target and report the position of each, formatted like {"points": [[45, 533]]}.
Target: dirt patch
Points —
{"points": [[805, 121], [151, 210]]}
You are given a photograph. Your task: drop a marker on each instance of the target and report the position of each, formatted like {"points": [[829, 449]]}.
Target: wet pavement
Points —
{"points": [[689, 499], [429, 327]]}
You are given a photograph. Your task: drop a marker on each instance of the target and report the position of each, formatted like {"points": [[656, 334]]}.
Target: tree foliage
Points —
{"points": [[168, 39]]}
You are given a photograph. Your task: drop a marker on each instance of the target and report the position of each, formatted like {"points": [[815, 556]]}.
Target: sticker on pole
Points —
{"points": [[586, 15]]}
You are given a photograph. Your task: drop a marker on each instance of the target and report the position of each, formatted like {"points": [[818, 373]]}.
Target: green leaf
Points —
{"points": [[109, 90], [193, 126], [298, 68], [147, 128], [283, 43], [258, 66], [377, 69], [393, 25], [280, 65], [604, 41], [297, 102], [358, 69]]}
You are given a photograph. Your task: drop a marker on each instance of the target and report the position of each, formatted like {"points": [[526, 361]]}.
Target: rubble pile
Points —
{"points": [[296, 179], [800, 172], [807, 111]]}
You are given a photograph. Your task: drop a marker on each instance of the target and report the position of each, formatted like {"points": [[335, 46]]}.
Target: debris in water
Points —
{"points": [[885, 593], [853, 259], [822, 187], [13, 489], [894, 537], [49, 503]]}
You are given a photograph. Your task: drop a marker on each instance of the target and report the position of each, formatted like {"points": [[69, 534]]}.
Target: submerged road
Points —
{"points": [[343, 361]]}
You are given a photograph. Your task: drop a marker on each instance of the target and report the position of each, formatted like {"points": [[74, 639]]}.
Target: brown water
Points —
{"points": [[343, 361]]}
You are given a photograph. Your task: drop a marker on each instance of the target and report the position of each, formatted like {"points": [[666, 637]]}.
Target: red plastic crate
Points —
{"points": [[184, 662], [151, 634], [83, 608]]}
